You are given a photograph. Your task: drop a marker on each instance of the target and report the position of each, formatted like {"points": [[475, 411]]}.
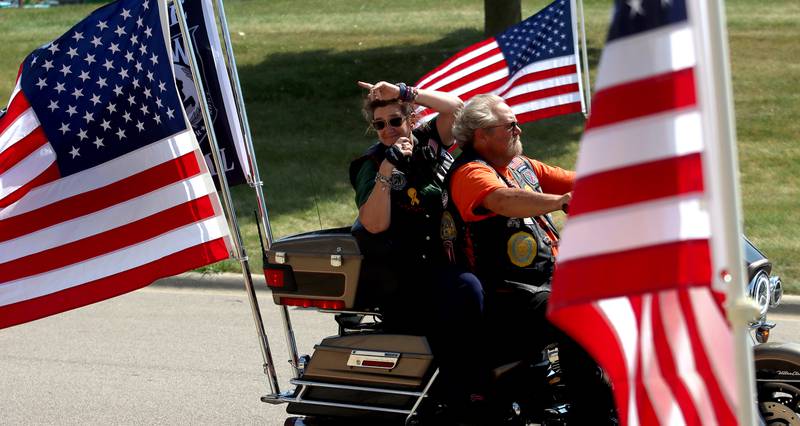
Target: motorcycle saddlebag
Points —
{"points": [[395, 361], [375, 361], [315, 269]]}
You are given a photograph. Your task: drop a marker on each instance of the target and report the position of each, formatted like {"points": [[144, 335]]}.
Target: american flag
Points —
{"points": [[633, 282], [103, 188], [533, 65]]}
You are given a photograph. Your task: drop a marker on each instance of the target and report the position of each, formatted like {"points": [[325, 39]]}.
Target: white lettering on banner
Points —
{"points": [[177, 50], [210, 162], [173, 18]]}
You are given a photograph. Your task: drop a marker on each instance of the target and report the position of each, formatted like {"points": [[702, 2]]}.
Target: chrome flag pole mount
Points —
{"points": [[715, 87], [241, 255], [256, 183], [587, 88]]}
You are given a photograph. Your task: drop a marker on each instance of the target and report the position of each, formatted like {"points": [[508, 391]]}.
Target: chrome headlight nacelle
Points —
{"points": [[777, 291], [760, 290], [765, 290]]}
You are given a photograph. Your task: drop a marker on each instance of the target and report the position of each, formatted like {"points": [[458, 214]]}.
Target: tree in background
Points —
{"points": [[500, 14]]}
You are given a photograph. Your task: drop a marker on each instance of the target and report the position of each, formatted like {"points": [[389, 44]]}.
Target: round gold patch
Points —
{"points": [[521, 249], [448, 228]]}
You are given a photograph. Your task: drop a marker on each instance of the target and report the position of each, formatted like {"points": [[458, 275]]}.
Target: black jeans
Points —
{"points": [[458, 332]]}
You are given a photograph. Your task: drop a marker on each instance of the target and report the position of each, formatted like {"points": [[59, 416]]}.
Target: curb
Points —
{"points": [[790, 303], [223, 281]]}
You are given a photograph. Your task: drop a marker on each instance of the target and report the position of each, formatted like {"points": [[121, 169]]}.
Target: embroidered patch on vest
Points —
{"points": [[398, 180], [448, 230], [521, 248], [529, 177]]}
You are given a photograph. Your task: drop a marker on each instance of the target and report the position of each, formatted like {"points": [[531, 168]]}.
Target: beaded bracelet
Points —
{"points": [[413, 92], [385, 180]]}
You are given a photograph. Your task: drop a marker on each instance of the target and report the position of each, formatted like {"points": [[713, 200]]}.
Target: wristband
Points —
{"points": [[407, 93], [403, 91]]}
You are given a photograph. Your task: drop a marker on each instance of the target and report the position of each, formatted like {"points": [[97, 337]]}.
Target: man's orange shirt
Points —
{"points": [[472, 182]]}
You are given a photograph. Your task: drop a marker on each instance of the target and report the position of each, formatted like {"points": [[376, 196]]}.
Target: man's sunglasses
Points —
{"points": [[394, 122], [508, 126]]}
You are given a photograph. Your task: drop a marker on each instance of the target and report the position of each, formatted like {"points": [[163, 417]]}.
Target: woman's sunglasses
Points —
{"points": [[394, 122]]}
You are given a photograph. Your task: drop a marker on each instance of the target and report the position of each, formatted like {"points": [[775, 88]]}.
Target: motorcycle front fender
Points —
{"points": [[777, 361]]}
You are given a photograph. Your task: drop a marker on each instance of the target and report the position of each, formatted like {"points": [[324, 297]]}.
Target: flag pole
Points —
{"points": [[241, 255], [255, 183], [587, 89], [730, 271]]}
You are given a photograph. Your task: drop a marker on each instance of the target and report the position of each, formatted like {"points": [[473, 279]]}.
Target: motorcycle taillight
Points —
{"points": [[274, 278], [335, 305]]}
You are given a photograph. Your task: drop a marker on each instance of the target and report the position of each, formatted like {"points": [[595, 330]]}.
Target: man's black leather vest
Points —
{"points": [[501, 248]]}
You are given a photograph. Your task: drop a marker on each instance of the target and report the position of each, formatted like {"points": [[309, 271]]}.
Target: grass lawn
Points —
{"points": [[299, 61]]}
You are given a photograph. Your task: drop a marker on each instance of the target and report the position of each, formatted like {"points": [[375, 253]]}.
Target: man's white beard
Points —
{"points": [[515, 149]]}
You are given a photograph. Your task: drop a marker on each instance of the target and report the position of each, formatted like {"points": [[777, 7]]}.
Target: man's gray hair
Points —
{"points": [[476, 114]]}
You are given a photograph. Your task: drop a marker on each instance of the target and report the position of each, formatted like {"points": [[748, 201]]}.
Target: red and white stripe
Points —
{"points": [[542, 89], [69, 241], [635, 258]]}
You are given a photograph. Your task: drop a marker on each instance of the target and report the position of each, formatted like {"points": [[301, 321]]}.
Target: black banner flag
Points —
{"points": [[217, 85]]}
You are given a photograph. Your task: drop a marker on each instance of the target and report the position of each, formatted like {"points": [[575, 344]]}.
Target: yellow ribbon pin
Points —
{"points": [[412, 194]]}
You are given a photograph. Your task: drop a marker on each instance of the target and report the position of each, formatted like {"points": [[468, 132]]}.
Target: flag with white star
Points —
{"points": [[100, 90], [102, 185], [533, 65]]}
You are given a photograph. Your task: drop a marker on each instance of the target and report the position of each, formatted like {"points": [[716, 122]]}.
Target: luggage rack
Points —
{"points": [[298, 395], [351, 321]]}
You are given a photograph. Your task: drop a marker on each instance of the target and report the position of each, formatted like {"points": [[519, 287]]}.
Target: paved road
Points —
{"points": [[160, 356], [788, 320], [155, 356]]}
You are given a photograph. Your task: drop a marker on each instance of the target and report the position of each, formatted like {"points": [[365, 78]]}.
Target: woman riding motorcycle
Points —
{"points": [[399, 184]]}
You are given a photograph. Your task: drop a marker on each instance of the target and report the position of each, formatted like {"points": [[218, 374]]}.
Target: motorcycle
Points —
{"points": [[777, 365], [363, 375]]}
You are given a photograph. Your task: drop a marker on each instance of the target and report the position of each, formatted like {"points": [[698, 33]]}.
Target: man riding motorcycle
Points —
{"points": [[503, 231]]}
